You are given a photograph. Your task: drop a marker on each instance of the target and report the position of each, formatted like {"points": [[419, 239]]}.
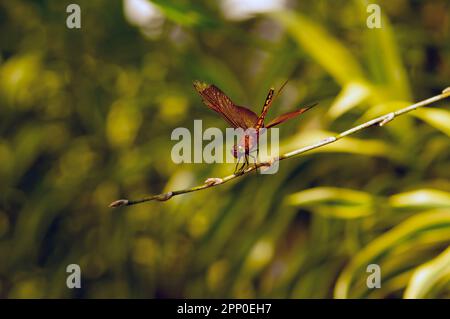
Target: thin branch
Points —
{"points": [[211, 182]]}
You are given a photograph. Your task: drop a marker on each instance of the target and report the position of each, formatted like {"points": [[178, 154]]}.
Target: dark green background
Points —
{"points": [[86, 116]]}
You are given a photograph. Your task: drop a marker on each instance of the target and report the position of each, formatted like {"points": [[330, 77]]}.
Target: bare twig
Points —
{"points": [[211, 182]]}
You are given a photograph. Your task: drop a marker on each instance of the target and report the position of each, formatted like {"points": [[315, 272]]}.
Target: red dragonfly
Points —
{"points": [[242, 117]]}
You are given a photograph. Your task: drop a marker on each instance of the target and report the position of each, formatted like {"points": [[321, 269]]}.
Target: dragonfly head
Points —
{"points": [[238, 151]]}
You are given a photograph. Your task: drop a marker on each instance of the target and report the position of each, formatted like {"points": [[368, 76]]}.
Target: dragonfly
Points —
{"points": [[242, 117]]}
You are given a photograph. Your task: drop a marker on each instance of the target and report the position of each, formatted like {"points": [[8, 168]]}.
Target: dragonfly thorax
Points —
{"points": [[246, 145]]}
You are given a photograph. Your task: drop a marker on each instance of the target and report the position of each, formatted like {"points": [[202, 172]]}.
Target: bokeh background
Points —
{"points": [[86, 116]]}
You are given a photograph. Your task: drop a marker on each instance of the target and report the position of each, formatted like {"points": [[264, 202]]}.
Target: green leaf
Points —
{"points": [[427, 275], [438, 118], [326, 50], [184, 14], [422, 198], [382, 245], [351, 95], [384, 108], [334, 202], [351, 145], [385, 61]]}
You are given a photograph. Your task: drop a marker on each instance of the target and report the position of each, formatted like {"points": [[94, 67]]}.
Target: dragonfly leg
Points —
{"points": [[256, 162], [257, 144], [236, 167], [240, 170], [243, 166], [257, 150], [246, 159]]}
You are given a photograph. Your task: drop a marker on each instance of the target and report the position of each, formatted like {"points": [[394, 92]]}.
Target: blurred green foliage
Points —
{"points": [[86, 116]]}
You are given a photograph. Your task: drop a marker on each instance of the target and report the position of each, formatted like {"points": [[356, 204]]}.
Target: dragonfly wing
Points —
{"points": [[247, 117], [284, 117], [215, 99]]}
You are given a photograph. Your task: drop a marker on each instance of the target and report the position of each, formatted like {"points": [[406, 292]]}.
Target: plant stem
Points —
{"points": [[211, 182]]}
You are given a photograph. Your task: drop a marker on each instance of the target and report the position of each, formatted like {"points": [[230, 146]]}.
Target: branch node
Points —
{"points": [[329, 139], [213, 181], [264, 166], [164, 197], [389, 117], [119, 203]]}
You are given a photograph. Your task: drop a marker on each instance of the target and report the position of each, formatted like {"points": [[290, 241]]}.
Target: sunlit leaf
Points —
{"points": [[422, 198], [383, 108], [385, 61], [326, 50], [17, 76], [334, 202], [350, 96], [329, 196], [427, 275], [438, 118], [351, 145], [381, 246]]}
